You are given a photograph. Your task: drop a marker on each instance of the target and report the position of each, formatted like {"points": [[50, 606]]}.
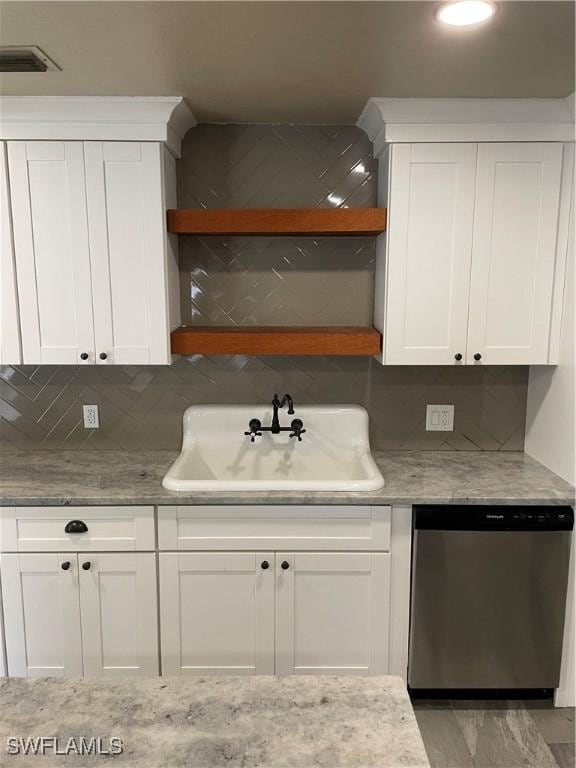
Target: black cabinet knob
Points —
{"points": [[284, 565], [76, 526], [65, 565], [458, 356], [477, 356], [86, 565], [103, 356], [264, 565], [84, 356]]}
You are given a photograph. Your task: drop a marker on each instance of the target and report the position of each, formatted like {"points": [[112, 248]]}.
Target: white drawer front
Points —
{"points": [[206, 527], [110, 529]]}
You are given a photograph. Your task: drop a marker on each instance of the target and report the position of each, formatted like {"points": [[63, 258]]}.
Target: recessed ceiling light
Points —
{"points": [[465, 12]]}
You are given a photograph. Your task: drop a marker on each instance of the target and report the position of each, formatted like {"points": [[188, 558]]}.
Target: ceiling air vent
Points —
{"points": [[24, 58]]}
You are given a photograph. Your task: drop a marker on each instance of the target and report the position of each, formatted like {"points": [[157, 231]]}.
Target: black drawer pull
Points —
{"points": [[76, 526], [264, 565], [86, 565], [65, 565], [284, 565]]}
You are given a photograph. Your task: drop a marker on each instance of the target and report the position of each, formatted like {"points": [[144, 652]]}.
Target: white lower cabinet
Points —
{"points": [[217, 613], [68, 614], [118, 612], [332, 613], [266, 601], [265, 613], [42, 614]]}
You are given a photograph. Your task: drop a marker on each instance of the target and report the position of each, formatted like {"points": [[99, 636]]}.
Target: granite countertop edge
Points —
{"points": [[114, 477], [277, 498]]}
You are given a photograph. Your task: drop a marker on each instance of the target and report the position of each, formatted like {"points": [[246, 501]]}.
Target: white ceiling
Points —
{"points": [[289, 61]]}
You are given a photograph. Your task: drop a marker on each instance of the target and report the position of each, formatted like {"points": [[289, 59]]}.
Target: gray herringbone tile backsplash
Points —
{"points": [[267, 281], [277, 281]]}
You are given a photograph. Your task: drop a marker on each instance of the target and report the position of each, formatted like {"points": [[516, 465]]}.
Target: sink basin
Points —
{"points": [[334, 454]]}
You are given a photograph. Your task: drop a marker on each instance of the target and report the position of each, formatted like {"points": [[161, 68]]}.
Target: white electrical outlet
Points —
{"points": [[91, 420], [440, 418]]}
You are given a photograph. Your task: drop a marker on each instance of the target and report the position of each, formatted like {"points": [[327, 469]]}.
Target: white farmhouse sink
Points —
{"points": [[334, 454]]}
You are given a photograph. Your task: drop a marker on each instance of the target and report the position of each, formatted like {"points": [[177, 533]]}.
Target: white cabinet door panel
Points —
{"points": [[42, 615], [127, 223], [429, 250], [48, 197], [217, 613], [332, 613], [119, 614], [514, 252], [10, 349]]}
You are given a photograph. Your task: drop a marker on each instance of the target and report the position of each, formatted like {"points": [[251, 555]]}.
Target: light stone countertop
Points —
{"points": [[340, 722], [54, 478]]}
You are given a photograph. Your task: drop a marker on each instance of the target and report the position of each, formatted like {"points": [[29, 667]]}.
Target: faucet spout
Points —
{"points": [[276, 405], [256, 428]]}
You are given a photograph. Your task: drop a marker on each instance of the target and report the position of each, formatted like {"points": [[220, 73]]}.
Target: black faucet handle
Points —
{"points": [[254, 425], [297, 425]]}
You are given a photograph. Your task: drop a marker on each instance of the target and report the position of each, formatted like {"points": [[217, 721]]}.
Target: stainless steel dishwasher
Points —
{"points": [[488, 597]]}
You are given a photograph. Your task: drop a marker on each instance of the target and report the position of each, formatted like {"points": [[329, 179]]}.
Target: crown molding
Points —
{"points": [[389, 121], [164, 119]]}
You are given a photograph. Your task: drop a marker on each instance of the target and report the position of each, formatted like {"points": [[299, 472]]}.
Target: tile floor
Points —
{"points": [[496, 734]]}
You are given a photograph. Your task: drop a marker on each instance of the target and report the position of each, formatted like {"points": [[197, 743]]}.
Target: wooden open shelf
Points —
{"points": [[275, 340], [279, 221]]}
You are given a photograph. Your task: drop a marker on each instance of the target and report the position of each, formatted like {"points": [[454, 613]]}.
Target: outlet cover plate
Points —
{"points": [[91, 420], [440, 418]]}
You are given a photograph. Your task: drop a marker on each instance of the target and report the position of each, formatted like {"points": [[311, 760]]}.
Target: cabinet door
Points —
{"points": [[119, 613], [42, 615], [513, 257], [217, 613], [127, 222], [332, 613], [428, 253], [10, 351], [3, 670], [48, 198]]}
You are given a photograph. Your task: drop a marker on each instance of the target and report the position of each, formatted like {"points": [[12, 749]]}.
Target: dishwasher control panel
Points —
{"points": [[493, 518]]}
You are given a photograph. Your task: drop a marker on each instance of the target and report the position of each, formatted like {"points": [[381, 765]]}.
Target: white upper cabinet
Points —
{"points": [[474, 253], [429, 248], [97, 273], [48, 196], [10, 350], [128, 251], [514, 252]]}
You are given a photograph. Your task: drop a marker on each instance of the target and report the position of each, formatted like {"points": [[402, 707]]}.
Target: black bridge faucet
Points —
{"points": [[296, 427]]}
